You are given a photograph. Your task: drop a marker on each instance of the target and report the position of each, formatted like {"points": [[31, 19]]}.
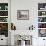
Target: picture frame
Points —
{"points": [[22, 14]]}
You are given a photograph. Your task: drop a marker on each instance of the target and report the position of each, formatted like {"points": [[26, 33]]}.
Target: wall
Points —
{"points": [[3, 1], [24, 5], [32, 6]]}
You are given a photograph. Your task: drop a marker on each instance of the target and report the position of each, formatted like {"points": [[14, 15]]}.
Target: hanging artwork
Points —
{"points": [[23, 14]]}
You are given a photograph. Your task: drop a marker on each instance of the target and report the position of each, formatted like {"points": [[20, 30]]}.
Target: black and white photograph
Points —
{"points": [[23, 14]]}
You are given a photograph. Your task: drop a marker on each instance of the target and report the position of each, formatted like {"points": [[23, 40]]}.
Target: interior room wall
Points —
{"points": [[32, 6], [3, 1], [24, 5]]}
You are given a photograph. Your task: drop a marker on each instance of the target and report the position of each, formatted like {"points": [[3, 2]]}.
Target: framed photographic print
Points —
{"points": [[23, 14]]}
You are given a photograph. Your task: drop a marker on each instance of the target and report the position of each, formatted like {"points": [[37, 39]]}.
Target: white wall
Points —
{"points": [[24, 5], [32, 6], [3, 1]]}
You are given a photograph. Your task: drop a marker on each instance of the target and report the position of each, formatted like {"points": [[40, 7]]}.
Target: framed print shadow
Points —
{"points": [[22, 14]]}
